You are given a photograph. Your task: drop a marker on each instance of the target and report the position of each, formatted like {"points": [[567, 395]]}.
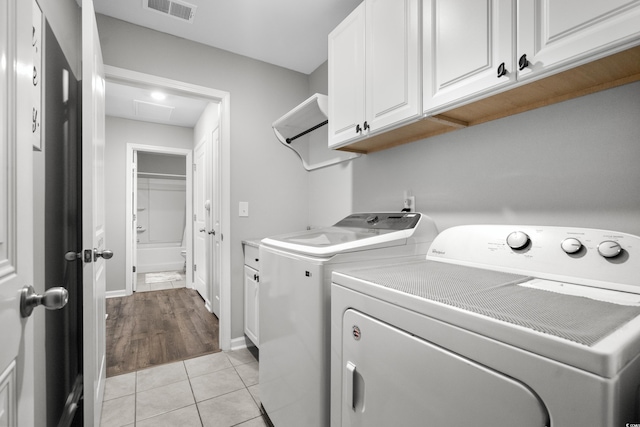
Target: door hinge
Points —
{"points": [[194, 167], [195, 217], [134, 268], [195, 267]]}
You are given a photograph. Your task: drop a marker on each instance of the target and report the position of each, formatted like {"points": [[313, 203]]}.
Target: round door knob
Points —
{"points": [[609, 249], [52, 299], [106, 254], [517, 240], [571, 245]]}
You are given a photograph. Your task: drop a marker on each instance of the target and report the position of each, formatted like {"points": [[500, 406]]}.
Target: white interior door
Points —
{"points": [[93, 225], [201, 221], [16, 219], [134, 223], [215, 230]]}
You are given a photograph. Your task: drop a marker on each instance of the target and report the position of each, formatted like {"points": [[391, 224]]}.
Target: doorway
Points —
{"points": [[161, 213], [222, 179]]}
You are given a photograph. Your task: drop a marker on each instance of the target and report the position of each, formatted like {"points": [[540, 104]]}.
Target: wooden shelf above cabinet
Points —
{"points": [[605, 73]]}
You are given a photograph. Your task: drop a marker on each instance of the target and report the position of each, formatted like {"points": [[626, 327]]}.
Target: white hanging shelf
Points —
{"points": [[304, 130]]}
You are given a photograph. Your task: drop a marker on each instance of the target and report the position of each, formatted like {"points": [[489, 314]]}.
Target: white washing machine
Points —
{"points": [[500, 326], [294, 295]]}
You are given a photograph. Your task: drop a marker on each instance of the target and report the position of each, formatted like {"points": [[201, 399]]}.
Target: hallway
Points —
{"points": [[154, 328], [215, 390]]}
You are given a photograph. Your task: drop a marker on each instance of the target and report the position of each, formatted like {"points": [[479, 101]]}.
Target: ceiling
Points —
{"points": [[288, 33]]}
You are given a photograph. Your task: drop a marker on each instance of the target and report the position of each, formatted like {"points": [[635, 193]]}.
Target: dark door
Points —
{"points": [[63, 227]]}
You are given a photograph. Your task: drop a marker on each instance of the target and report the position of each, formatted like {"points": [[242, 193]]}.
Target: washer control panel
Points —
{"points": [[600, 258]]}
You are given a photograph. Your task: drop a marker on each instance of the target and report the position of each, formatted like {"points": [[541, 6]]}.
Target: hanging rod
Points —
{"points": [[289, 140]]}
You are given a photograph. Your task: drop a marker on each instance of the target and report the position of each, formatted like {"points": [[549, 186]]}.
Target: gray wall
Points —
{"points": [[172, 164], [569, 164], [330, 189], [263, 172], [119, 133]]}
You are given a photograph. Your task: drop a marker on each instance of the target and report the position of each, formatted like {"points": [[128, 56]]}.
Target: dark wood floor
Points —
{"points": [[153, 328]]}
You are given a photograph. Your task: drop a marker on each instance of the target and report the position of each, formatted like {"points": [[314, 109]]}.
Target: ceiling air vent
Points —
{"points": [[178, 9]]}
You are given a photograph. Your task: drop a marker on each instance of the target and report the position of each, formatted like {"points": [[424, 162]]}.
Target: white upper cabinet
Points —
{"points": [[564, 34], [466, 43], [347, 78], [374, 69], [467, 49]]}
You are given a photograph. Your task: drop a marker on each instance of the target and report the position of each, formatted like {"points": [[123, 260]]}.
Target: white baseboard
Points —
{"points": [[238, 343], [116, 294]]}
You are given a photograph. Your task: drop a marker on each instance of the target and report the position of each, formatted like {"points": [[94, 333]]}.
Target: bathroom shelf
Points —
{"points": [[304, 130]]}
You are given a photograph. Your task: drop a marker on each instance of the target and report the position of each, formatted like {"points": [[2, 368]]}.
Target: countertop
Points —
{"points": [[252, 242]]}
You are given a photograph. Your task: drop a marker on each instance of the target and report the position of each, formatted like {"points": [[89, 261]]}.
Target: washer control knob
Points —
{"points": [[517, 240], [571, 245], [609, 249]]}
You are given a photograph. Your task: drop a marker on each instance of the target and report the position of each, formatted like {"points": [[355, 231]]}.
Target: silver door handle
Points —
{"points": [[52, 299], [72, 256], [106, 254], [212, 232]]}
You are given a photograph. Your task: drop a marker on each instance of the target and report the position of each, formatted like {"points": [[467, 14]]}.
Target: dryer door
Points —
{"points": [[394, 378]]}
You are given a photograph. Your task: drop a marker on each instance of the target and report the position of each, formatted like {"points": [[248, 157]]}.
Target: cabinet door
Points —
{"points": [[347, 78], [563, 34], [251, 304], [393, 84], [464, 44]]}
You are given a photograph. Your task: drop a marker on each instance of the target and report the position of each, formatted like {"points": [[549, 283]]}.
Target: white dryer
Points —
{"points": [[500, 326], [294, 296]]}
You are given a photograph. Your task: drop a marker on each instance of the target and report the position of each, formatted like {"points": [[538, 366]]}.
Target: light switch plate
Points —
{"points": [[244, 209]]}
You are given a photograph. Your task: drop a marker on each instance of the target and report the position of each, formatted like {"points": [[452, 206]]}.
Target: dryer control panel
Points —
{"points": [[600, 258]]}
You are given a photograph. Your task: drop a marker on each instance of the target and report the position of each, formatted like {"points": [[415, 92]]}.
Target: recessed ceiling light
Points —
{"points": [[159, 96]]}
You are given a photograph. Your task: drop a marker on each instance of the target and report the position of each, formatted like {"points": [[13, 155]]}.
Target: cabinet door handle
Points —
{"points": [[366, 126], [523, 62], [502, 70], [358, 128]]}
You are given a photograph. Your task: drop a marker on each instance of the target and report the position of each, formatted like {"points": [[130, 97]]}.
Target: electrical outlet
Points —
{"points": [[244, 209], [410, 203]]}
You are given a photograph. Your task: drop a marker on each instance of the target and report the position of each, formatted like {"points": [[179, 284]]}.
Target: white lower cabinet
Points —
{"points": [[251, 294]]}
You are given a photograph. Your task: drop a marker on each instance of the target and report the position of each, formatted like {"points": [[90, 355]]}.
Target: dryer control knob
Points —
{"points": [[517, 240], [571, 245], [609, 249]]}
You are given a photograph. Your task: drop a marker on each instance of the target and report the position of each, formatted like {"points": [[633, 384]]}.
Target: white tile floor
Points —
{"points": [[142, 286], [216, 390]]}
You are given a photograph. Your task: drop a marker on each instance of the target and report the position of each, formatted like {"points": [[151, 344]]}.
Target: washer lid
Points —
{"points": [[355, 232]]}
